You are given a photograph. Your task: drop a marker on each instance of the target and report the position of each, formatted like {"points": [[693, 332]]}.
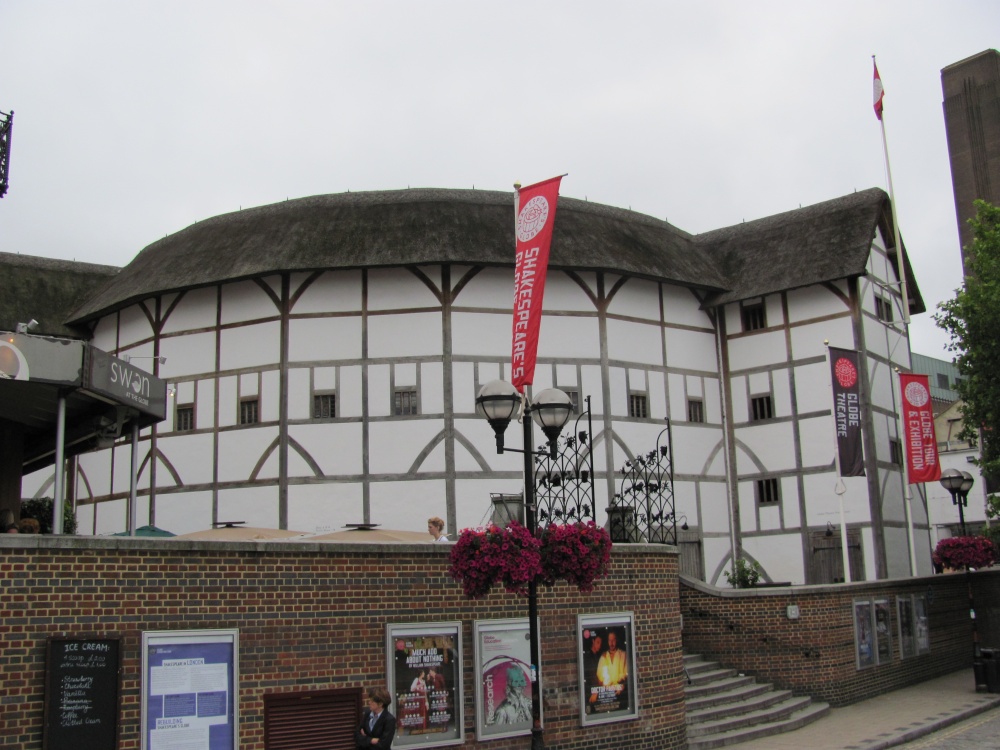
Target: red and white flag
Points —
{"points": [[535, 218], [918, 422], [877, 93]]}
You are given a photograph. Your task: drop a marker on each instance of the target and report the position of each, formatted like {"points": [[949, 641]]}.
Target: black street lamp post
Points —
{"points": [[958, 483], [498, 402]]}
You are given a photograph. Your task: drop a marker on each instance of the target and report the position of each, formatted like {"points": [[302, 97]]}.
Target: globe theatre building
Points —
{"points": [[323, 357]]}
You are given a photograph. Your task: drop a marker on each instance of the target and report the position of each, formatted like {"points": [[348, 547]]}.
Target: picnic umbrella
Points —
{"points": [[148, 530], [362, 532], [235, 531]]}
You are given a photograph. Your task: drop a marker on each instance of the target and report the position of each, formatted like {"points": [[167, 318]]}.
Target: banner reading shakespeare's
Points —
{"points": [[425, 680], [535, 218], [847, 410], [918, 422]]}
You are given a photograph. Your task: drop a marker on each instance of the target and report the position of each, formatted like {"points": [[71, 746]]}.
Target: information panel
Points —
{"points": [[82, 679], [189, 690]]}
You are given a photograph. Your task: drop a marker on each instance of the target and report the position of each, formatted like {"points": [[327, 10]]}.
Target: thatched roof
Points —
{"points": [[430, 226], [399, 228], [47, 290], [819, 243]]}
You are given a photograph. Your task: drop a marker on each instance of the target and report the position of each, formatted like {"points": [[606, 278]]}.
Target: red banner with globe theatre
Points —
{"points": [[847, 410], [536, 216], [922, 461]]}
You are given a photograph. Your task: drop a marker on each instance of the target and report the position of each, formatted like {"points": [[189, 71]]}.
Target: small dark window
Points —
{"points": [[895, 452], [324, 406], [405, 402], [767, 491], [574, 398], [249, 411], [184, 417], [637, 406], [942, 381], [762, 408], [696, 410], [753, 317], [883, 309]]}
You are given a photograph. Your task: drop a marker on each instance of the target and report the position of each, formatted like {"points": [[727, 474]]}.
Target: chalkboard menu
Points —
{"points": [[81, 693]]}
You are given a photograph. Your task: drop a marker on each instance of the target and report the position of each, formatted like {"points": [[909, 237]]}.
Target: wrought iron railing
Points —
{"points": [[564, 484], [643, 509]]}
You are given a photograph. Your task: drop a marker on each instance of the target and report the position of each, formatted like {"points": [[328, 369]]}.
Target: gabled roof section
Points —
{"points": [[399, 228], [820, 243], [47, 290]]}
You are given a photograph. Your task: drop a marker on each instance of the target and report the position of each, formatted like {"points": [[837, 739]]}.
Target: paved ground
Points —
{"points": [[891, 719], [977, 733]]}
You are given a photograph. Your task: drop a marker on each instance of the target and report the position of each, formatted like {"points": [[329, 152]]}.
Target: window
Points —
{"points": [[942, 381], [883, 309], [768, 491], [761, 406], [637, 406], [184, 417], [895, 452], [249, 411], [696, 410], [574, 399], [324, 405], [753, 317], [405, 402]]}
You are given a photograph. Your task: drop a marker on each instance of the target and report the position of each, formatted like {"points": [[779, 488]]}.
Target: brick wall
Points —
{"points": [[313, 616], [815, 655]]}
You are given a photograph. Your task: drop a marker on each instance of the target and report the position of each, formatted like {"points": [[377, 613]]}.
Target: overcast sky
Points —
{"points": [[134, 119]]}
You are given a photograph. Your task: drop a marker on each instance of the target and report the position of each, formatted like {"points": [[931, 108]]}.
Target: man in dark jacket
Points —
{"points": [[378, 726]]}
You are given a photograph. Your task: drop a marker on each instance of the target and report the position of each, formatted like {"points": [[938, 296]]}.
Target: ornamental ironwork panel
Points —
{"points": [[564, 484], [643, 509]]}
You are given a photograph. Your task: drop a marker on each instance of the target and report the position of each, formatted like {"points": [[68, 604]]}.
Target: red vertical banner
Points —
{"points": [[536, 216], [922, 462], [847, 410]]}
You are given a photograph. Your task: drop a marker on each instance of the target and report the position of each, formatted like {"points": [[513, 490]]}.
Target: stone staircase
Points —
{"points": [[726, 708]]}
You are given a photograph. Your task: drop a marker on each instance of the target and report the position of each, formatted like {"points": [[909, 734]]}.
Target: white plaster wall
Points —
{"points": [[491, 288], [397, 443], [133, 326], [380, 396], [335, 446], [591, 384], [105, 335], [718, 553], [563, 293], [638, 298], [404, 335], [780, 555], [634, 342], [432, 388], [816, 441], [681, 307], [816, 302], [398, 289], [892, 496], [253, 345], [808, 339], [334, 291], [698, 449], [812, 388], [823, 505], [322, 508], [691, 350], [188, 355], [183, 512], [770, 443], [759, 349], [318, 339], [565, 336], [240, 450], [245, 300], [110, 516], [258, 506], [196, 309], [463, 387], [190, 455]]}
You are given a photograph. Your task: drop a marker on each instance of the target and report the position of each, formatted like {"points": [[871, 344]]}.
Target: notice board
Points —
{"points": [[82, 689]]}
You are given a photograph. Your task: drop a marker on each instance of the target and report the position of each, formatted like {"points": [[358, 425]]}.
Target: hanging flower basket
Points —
{"points": [[579, 553], [484, 556], [964, 552]]}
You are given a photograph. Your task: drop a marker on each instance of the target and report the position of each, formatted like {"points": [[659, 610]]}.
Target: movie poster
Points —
{"points": [[606, 647], [864, 634], [503, 669], [883, 631], [425, 681]]}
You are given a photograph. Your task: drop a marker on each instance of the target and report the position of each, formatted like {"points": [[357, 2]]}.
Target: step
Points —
{"points": [[796, 720], [700, 667], [700, 690], [768, 714], [739, 693], [710, 675], [738, 707]]}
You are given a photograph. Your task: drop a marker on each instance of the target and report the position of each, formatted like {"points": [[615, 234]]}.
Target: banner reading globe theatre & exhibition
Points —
{"points": [[425, 679]]}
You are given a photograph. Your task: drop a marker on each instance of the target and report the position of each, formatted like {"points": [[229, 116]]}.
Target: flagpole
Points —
{"points": [[839, 488], [895, 223], [901, 256]]}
